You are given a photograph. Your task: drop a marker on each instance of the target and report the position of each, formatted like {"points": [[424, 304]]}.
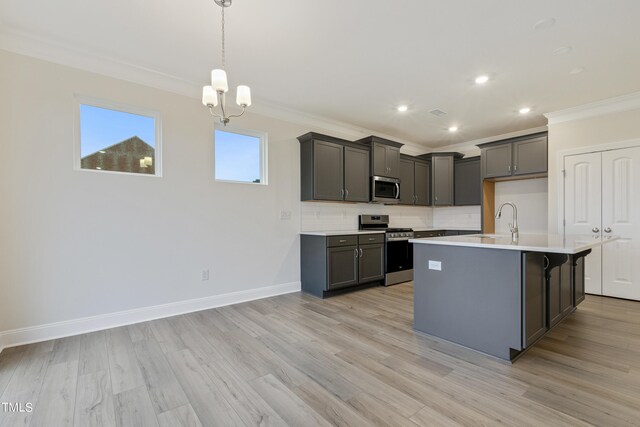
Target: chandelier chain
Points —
{"points": [[223, 53]]}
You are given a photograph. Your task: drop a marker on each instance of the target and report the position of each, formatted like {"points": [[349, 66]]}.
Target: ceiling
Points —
{"points": [[355, 61]]}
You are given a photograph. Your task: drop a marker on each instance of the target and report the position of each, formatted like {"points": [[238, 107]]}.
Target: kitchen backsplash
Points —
{"points": [[318, 216], [457, 216]]}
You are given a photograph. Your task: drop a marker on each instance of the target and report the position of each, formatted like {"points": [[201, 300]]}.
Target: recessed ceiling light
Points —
{"points": [[562, 50], [480, 80], [544, 24], [453, 129], [402, 108], [577, 70], [524, 110]]}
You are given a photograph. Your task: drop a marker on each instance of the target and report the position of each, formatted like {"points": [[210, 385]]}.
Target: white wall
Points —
{"points": [[530, 196], [587, 132], [76, 243]]}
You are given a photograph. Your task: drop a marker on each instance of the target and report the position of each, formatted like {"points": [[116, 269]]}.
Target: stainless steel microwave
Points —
{"points": [[385, 190]]}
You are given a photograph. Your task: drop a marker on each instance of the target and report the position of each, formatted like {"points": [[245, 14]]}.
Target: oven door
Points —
{"points": [[399, 256], [385, 190]]}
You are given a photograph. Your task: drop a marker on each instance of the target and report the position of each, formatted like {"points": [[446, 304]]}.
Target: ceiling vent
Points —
{"points": [[438, 113]]}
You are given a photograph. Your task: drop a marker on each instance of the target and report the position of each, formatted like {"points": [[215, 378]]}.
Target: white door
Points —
{"points": [[582, 209], [621, 217]]}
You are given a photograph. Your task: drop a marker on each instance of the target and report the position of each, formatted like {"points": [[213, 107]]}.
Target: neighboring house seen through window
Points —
{"points": [[240, 156], [115, 140]]}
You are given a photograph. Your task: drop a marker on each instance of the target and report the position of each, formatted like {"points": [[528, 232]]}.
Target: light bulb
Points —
{"points": [[219, 80], [209, 96], [243, 96]]}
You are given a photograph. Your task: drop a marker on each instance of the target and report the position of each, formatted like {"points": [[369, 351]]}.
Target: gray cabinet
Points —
{"points": [[370, 263], [467, 181], [534, 302], [530, 156], [559, 288], [328, 166], [385, 160], [442, 176], [414, 181], [332, 263], [342, 267], [385, 156], [407, 182], [422, 178], [333, 169], [497, 161], [521, 156], [356, 175]]}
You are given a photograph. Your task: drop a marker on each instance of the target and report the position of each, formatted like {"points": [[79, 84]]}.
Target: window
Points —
{"points": [[240, 156], [113, 138]]}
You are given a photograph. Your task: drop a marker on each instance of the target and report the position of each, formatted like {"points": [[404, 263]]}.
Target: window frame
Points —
{"points": [[262, 136], [80, 100]]}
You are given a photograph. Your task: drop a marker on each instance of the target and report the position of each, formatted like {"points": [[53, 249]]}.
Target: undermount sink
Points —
{"points": [[486, 236]]}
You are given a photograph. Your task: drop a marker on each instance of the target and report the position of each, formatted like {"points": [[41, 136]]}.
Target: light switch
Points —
{"points": [[435, 265]]}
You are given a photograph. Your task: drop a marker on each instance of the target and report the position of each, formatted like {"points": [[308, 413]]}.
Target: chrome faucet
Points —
{"points": [[513, 226]]}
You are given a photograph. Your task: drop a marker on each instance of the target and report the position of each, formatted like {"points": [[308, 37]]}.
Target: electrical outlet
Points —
{"points": [[435, 265], [285, 215], [205, 275]]}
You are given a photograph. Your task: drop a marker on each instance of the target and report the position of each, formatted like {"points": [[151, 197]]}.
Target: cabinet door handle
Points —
{"points": [[372, 238], [595, 229], [360, 252], [607, 230], [509, 168], [415, 198], [356, 251], [515, 168], [546, 262], [346, 192], [342, 192], [343, 240]]}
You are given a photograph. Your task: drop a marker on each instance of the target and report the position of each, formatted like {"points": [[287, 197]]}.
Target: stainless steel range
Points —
{"points": [[398, 265]]}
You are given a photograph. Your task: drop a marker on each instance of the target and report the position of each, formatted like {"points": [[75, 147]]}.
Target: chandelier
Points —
{"points": [[214, 95]]}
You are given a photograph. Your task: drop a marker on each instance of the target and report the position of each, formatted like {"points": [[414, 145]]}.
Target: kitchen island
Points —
{"points": [[497, 295]]}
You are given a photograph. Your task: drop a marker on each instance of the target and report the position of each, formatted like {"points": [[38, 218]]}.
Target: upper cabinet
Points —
{"points": [[467, 181], [333, 169], [442, 177], [515, 157], [414, 181], [385, 156]]}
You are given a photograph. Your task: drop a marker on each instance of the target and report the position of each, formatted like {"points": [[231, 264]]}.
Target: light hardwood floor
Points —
{"points": [[352, 360]]}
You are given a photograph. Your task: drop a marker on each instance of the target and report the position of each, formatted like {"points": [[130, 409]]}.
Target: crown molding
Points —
{"points": [[471, 145], [19, 42], [627, 102]]}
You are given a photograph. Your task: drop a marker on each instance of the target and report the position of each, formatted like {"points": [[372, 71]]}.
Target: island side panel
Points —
{"points": [[475, 300]]}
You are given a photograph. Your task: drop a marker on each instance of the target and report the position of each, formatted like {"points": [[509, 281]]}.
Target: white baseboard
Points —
{"points": [[84, 325]]}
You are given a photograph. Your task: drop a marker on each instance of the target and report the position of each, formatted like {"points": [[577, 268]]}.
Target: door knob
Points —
{"points": [[595, 229], [607, 230]]}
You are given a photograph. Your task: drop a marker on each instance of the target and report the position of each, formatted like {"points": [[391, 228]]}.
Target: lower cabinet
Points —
{"points": [[559, 287], [331, 263], [370, 263], [552, 286], [342, 267], [534, 303]]}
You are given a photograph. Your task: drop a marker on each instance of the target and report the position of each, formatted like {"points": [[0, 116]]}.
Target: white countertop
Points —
{"points": [[446, 228], [554, 243], [341, 233]]}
